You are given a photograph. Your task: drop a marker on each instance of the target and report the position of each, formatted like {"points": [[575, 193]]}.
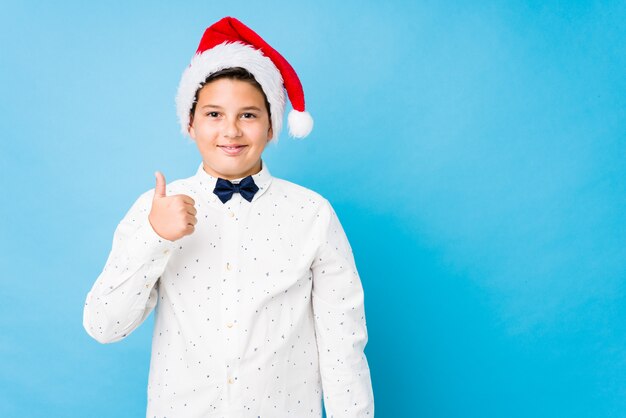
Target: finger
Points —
{"points": [[189, 229], [183, 208], [191, 210], [191, 220], [159, 190], [188, 200]]}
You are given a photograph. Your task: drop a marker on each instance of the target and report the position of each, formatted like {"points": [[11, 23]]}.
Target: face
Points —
{"points": [[231, 128]]}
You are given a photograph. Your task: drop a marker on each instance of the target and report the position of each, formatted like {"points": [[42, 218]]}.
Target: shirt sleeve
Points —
{"points": [[126, 291], [340, 326]]}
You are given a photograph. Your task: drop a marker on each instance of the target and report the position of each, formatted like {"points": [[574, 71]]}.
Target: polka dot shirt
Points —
{"points": [[258, 313]]}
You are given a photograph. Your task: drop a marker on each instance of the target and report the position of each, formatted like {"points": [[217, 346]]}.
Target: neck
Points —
{"points": [[254, 170]]}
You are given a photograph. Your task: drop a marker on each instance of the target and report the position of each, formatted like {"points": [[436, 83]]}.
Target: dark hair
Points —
{"points": [[233, 73]]}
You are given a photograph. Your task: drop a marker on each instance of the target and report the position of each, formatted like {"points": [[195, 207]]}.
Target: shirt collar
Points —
{"points": [[262, 179]]}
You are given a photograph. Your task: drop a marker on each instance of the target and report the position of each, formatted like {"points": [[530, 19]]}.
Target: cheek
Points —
{"points": [[261, 134], [206, 133], [260, 143], [204, 142]]}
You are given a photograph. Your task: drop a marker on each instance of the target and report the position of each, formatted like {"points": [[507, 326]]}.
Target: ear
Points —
{"points": [[190, 130], [270, 134]]}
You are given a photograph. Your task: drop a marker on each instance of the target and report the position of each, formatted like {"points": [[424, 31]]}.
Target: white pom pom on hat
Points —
{"points": [[229, 43], [300, 123]]}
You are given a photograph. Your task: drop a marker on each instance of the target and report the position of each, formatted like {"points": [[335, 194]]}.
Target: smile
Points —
{"points": [[232, 150]]}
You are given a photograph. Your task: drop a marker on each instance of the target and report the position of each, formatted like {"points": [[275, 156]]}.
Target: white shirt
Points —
{"points": [[258, 313]]}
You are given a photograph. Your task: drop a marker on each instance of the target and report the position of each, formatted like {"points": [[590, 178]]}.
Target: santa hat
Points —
{"points": [[229, 43]]}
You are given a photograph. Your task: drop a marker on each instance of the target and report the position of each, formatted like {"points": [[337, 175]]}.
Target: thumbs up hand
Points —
{"points": [[171, 217]]}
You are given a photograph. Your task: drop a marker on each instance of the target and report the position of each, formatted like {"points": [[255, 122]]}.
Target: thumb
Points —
{"points": [[159, 190]]}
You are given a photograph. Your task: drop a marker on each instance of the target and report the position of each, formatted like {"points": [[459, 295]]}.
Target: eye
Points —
{"points": [[212, 114], [248, 115]]}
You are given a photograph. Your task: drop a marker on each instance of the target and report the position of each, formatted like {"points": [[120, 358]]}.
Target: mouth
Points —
{"points": [[232, 149]]}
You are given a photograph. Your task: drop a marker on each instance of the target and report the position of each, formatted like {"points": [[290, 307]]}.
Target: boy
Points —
{"points": [[259, 306]]}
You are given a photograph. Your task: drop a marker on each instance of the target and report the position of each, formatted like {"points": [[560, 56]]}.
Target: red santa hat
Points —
{"points": [[229, 43]]}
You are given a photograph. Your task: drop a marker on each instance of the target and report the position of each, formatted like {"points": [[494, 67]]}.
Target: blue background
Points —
{"points": [[474, 152]]}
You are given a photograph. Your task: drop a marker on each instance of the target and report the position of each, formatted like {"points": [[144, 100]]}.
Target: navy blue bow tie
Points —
{"points": [[224, 189]]}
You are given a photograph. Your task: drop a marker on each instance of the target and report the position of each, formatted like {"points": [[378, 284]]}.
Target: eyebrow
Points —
{"points": [[242, 109]]}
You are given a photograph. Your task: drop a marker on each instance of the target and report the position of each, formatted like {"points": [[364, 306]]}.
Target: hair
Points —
{"points": [[232, 73]]}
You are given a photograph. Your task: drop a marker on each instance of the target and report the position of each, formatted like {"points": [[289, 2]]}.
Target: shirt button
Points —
{"points": [[228, 266], [231, 213], [166, 251], [230, 380], [229, 325]]}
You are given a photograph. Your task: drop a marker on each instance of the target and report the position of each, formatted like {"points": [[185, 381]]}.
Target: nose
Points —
{"points": [[231, 128]]}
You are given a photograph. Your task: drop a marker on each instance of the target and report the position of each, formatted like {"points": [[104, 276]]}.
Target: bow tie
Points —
{"points": [[224, 189]]}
